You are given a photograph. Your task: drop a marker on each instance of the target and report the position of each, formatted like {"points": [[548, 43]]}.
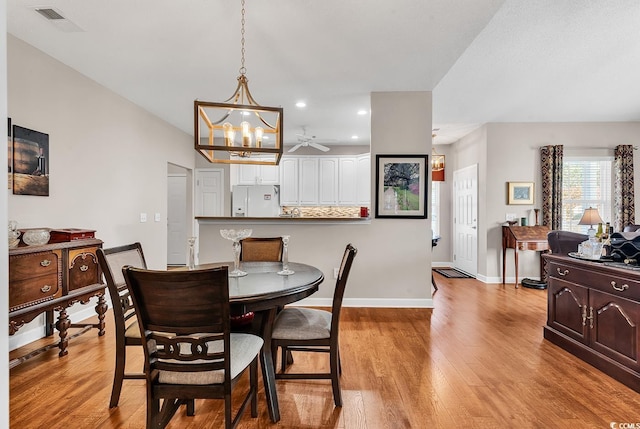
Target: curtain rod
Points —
{"points": [[594, 148]]}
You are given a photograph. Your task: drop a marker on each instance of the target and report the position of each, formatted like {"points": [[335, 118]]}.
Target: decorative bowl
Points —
{"points": [[36, 237]]}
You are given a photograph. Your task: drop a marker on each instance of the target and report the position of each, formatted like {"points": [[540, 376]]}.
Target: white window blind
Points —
{"points": [[586, 182]]}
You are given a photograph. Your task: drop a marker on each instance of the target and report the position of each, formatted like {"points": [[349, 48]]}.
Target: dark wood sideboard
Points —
{"points": [[594, 314], [53, 277]]}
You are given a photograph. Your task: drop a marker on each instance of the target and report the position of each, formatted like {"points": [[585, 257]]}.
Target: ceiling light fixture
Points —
{"points": [[362, 112], [301, 104], [240, 126]]}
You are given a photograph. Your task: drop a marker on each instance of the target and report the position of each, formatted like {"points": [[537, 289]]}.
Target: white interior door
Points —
{"points": [[210, 192], [177, 219], [465, 221]]}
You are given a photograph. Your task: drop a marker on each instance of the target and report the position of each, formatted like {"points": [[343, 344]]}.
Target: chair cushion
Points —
{"points": [[297, 323], [132, 330], [244, 348]]}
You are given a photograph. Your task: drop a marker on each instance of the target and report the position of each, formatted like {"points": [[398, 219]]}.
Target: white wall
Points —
{"points": [[511, 152], [393, 265], [108, 158]]}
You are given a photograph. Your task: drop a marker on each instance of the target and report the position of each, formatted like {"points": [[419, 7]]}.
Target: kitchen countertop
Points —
{"points": [[282, 219]]}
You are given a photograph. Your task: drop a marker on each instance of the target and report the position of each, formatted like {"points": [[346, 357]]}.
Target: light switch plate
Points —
{"points": [[510, 216], [143, 217], [157, 217]]}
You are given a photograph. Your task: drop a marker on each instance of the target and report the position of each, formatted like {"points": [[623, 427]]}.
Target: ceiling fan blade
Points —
{"points": [[295, 148], [319, 146]]}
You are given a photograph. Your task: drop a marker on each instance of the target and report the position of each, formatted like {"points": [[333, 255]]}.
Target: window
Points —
{"points": [[586, 182], [435, 208]]}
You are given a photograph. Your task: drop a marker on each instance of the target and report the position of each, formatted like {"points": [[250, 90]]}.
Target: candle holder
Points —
{"points": [[191, 261], [285, 257]]}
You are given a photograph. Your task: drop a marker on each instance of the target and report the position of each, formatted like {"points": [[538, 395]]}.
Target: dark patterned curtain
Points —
{"points": [[623, 203], [551, 161]]}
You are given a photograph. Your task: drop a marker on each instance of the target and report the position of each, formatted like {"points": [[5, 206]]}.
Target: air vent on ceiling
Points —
{"points": [[58, 20], [49, 13]]}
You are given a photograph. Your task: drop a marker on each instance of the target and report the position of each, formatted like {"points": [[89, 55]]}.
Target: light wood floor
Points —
{"points": [[477, 360]]}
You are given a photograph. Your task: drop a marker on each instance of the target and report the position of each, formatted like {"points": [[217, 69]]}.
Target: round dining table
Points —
{"points": [[263, 291]]}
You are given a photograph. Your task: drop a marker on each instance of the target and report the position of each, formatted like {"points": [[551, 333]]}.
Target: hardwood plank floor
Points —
{"points": [[477, 360]]}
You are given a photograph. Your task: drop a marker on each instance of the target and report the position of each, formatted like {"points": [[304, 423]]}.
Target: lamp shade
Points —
{"points": [[590, 217]]}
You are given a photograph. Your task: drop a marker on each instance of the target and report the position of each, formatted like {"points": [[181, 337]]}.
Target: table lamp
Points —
{"points": [[590, 217]]}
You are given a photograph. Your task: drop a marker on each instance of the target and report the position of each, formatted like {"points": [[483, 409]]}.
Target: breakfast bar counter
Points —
{"points": [[281, 220]]}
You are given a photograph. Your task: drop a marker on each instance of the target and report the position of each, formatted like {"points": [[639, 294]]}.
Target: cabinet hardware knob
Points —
{"points": [[45, 262], [620, 288], [45, 288], [562, 273], [84, 268]]}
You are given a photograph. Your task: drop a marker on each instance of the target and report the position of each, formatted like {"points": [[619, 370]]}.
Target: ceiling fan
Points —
{"points": [[304, 140]]}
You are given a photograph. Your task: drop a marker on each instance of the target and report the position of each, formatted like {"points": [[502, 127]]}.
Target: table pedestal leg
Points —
{"points": [[266, 362]]}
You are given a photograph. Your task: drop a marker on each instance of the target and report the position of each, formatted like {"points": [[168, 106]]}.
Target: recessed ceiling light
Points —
{"points": [[301, 104], [362, 112], [354, 137]]}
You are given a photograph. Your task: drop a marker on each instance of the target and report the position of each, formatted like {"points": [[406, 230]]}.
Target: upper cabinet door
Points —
{"points": [[328, 181], [289, 182], [308, 181], [363, 180], [348, 179]]}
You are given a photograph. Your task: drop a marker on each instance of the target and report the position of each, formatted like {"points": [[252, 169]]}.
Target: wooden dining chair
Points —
{"points": [[256, 249], [266, 249], [126, 330], [190, 352], [313, 330]]}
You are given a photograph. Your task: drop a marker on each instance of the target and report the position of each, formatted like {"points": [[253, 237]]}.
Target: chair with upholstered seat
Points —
{"points": [[313, 330], [127, 331], [190, 352], [268, 249], [563, 242]]}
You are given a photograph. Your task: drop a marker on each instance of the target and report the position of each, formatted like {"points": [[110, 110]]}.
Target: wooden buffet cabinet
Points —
{"points": [[53, 277], [594, 313]]}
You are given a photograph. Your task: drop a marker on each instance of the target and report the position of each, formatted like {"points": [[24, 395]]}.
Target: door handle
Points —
{"points": [[474, 227]]}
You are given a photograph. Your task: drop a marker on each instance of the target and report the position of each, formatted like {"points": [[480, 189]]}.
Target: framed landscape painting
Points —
{"points": [[401, 186]]}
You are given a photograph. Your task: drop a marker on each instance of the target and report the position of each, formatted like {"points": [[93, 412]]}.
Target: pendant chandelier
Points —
{"points": [[238, 130]]}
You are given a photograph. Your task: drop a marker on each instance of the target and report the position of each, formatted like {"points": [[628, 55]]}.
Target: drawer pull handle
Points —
{"points": [[45, 288], [84, 268], [620, 288], [45, 262], [562, 273]]}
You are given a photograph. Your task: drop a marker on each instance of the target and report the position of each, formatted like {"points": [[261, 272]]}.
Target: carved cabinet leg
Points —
{"points": [[101, 309], [63, 325]]}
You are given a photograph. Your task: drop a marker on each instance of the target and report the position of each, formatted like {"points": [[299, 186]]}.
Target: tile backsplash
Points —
{"points": [[325, 211]]}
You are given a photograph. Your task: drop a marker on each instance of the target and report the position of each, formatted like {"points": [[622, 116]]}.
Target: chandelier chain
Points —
{"points": [[243, 69]]}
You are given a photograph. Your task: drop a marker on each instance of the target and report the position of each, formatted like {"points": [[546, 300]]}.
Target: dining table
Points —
{"points": [[262, 291]]}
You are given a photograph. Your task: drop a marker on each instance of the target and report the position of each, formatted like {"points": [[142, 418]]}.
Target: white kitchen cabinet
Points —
{"points": [[363, 180], [347, 193], [308, 183], [328, 181], [249, 174], [289, 181]]}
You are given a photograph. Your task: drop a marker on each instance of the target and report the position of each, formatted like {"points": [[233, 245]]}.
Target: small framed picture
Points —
{"points": [[401, 186], [520, 193]]}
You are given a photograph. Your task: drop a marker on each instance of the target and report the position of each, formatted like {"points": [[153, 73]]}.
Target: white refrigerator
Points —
{"points": [[255, 201]]}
